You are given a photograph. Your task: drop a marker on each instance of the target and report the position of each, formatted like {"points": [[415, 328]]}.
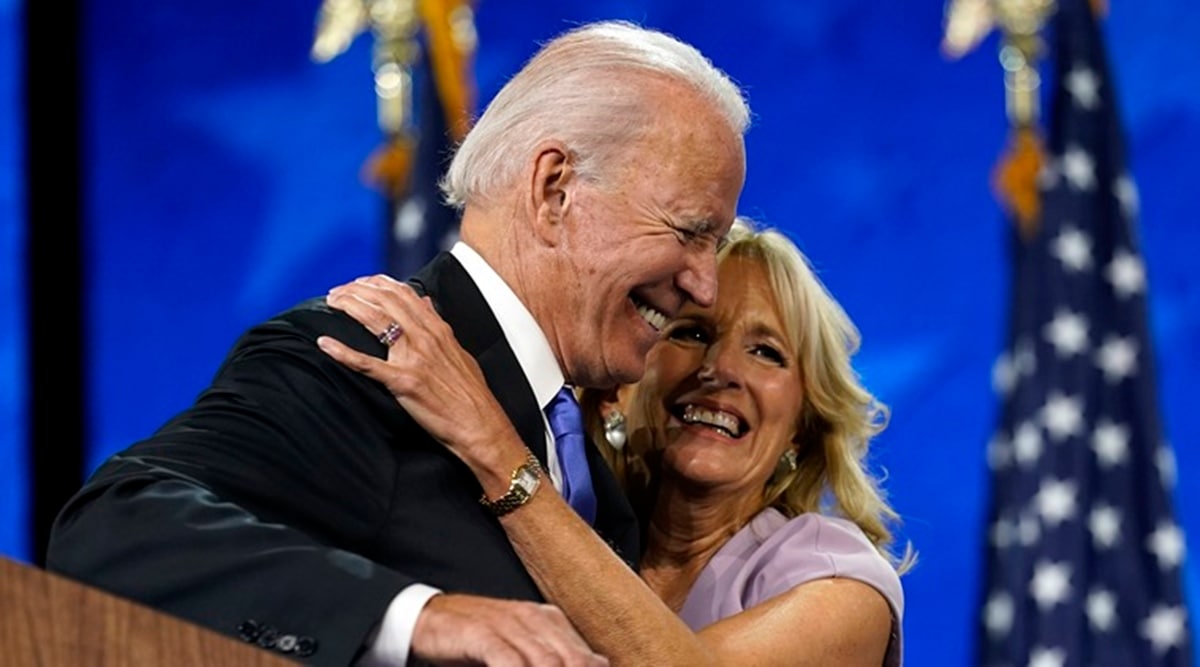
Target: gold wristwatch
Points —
{"points": [[526, 479]]}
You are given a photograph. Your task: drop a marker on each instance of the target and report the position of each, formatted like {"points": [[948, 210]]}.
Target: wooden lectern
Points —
{"points": [[48, 620]]}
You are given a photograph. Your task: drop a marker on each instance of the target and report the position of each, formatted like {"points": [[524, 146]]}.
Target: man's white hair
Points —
{"points": [[587, 88]]}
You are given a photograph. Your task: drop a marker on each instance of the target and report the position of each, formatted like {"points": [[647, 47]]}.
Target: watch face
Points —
{"points": [[527, 480]]}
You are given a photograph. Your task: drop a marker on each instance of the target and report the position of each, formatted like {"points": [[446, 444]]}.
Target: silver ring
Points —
{"points": [[391, 334]]}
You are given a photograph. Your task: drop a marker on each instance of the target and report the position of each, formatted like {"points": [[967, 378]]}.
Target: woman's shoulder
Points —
{"points": [[774, 554], [818, 533], [815, 546]]}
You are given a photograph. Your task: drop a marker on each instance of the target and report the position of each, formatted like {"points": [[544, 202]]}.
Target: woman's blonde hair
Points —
{"points": [[838, 418]]}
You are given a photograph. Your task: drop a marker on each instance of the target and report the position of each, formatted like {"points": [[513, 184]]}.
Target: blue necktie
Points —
{"points": [[566, 423]]}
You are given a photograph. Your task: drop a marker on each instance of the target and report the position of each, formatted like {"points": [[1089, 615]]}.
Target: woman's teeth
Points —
{"points": [[720, 420]]}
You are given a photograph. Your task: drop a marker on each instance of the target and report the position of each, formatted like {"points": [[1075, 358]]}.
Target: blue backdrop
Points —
{"points": [[224, 184], [13, 485]]}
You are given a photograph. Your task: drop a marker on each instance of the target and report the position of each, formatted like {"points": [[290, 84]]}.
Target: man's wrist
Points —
{"points": [[390, 644]]}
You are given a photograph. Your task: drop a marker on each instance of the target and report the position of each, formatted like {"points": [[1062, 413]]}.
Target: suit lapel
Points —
{"points": [[460, 303], [615, 518]]}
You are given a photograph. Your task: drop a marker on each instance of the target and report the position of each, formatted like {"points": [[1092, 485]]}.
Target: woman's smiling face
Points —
{"points": [[723, 390]]}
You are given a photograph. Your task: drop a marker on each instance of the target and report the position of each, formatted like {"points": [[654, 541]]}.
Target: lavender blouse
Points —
{"points": [[772, 554]]}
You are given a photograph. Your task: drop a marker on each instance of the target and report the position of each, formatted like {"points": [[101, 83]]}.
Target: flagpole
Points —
{"points": [[422, 59], [1016, 174], [394, 24], [1020, 22], [449, 27]]}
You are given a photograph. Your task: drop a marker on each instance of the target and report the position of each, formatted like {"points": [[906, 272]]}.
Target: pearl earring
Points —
{"points": [[614, 429], [787, 463]]}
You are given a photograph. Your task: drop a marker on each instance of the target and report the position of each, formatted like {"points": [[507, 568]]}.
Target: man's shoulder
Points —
{"points": [[314, 310], [300, 325], [313, 316]]}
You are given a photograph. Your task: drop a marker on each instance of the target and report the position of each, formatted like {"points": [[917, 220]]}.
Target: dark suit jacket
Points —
{"points": [[295, 498]]}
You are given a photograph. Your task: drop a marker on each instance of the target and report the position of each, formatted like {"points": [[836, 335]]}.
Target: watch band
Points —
{"points": [[526, 478]]}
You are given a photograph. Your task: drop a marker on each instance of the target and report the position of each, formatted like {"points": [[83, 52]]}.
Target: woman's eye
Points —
{"points": [[688, 332], [771, 353]]}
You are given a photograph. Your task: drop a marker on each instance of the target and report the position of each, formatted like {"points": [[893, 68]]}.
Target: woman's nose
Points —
{"points": [[719, 367]]}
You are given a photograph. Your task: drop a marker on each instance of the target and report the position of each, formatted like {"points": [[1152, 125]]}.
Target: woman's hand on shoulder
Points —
{"points": [[427, 371]]}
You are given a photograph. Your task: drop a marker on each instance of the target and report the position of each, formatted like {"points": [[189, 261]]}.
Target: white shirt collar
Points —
{"points": [[525, 337]]}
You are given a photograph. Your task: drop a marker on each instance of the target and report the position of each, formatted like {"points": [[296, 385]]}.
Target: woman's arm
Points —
{"points": [[829, 622]]}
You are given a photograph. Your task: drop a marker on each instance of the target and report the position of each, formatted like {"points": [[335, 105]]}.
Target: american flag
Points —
{"points": [[420, 223], [1084, 557]]}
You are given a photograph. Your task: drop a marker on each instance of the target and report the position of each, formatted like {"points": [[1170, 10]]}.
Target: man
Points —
{"points": [[297, 506]]}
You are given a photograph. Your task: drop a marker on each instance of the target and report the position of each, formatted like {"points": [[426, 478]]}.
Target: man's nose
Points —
{"points": [[699, 279]]}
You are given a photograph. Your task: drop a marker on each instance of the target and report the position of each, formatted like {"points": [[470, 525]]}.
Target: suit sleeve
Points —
{"points": [[254, 511]]}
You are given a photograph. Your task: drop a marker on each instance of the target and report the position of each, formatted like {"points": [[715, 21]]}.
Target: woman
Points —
{"points": [[766, 540]]}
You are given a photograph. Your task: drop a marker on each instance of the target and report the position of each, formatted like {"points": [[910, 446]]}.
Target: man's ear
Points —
{"points": [[550, 193]]}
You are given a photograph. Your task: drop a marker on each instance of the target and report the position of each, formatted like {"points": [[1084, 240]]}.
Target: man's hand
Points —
{"points": [[455, 630]]}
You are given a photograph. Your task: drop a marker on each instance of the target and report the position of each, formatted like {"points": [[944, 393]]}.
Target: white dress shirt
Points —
{"points": [[390, 646]]}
